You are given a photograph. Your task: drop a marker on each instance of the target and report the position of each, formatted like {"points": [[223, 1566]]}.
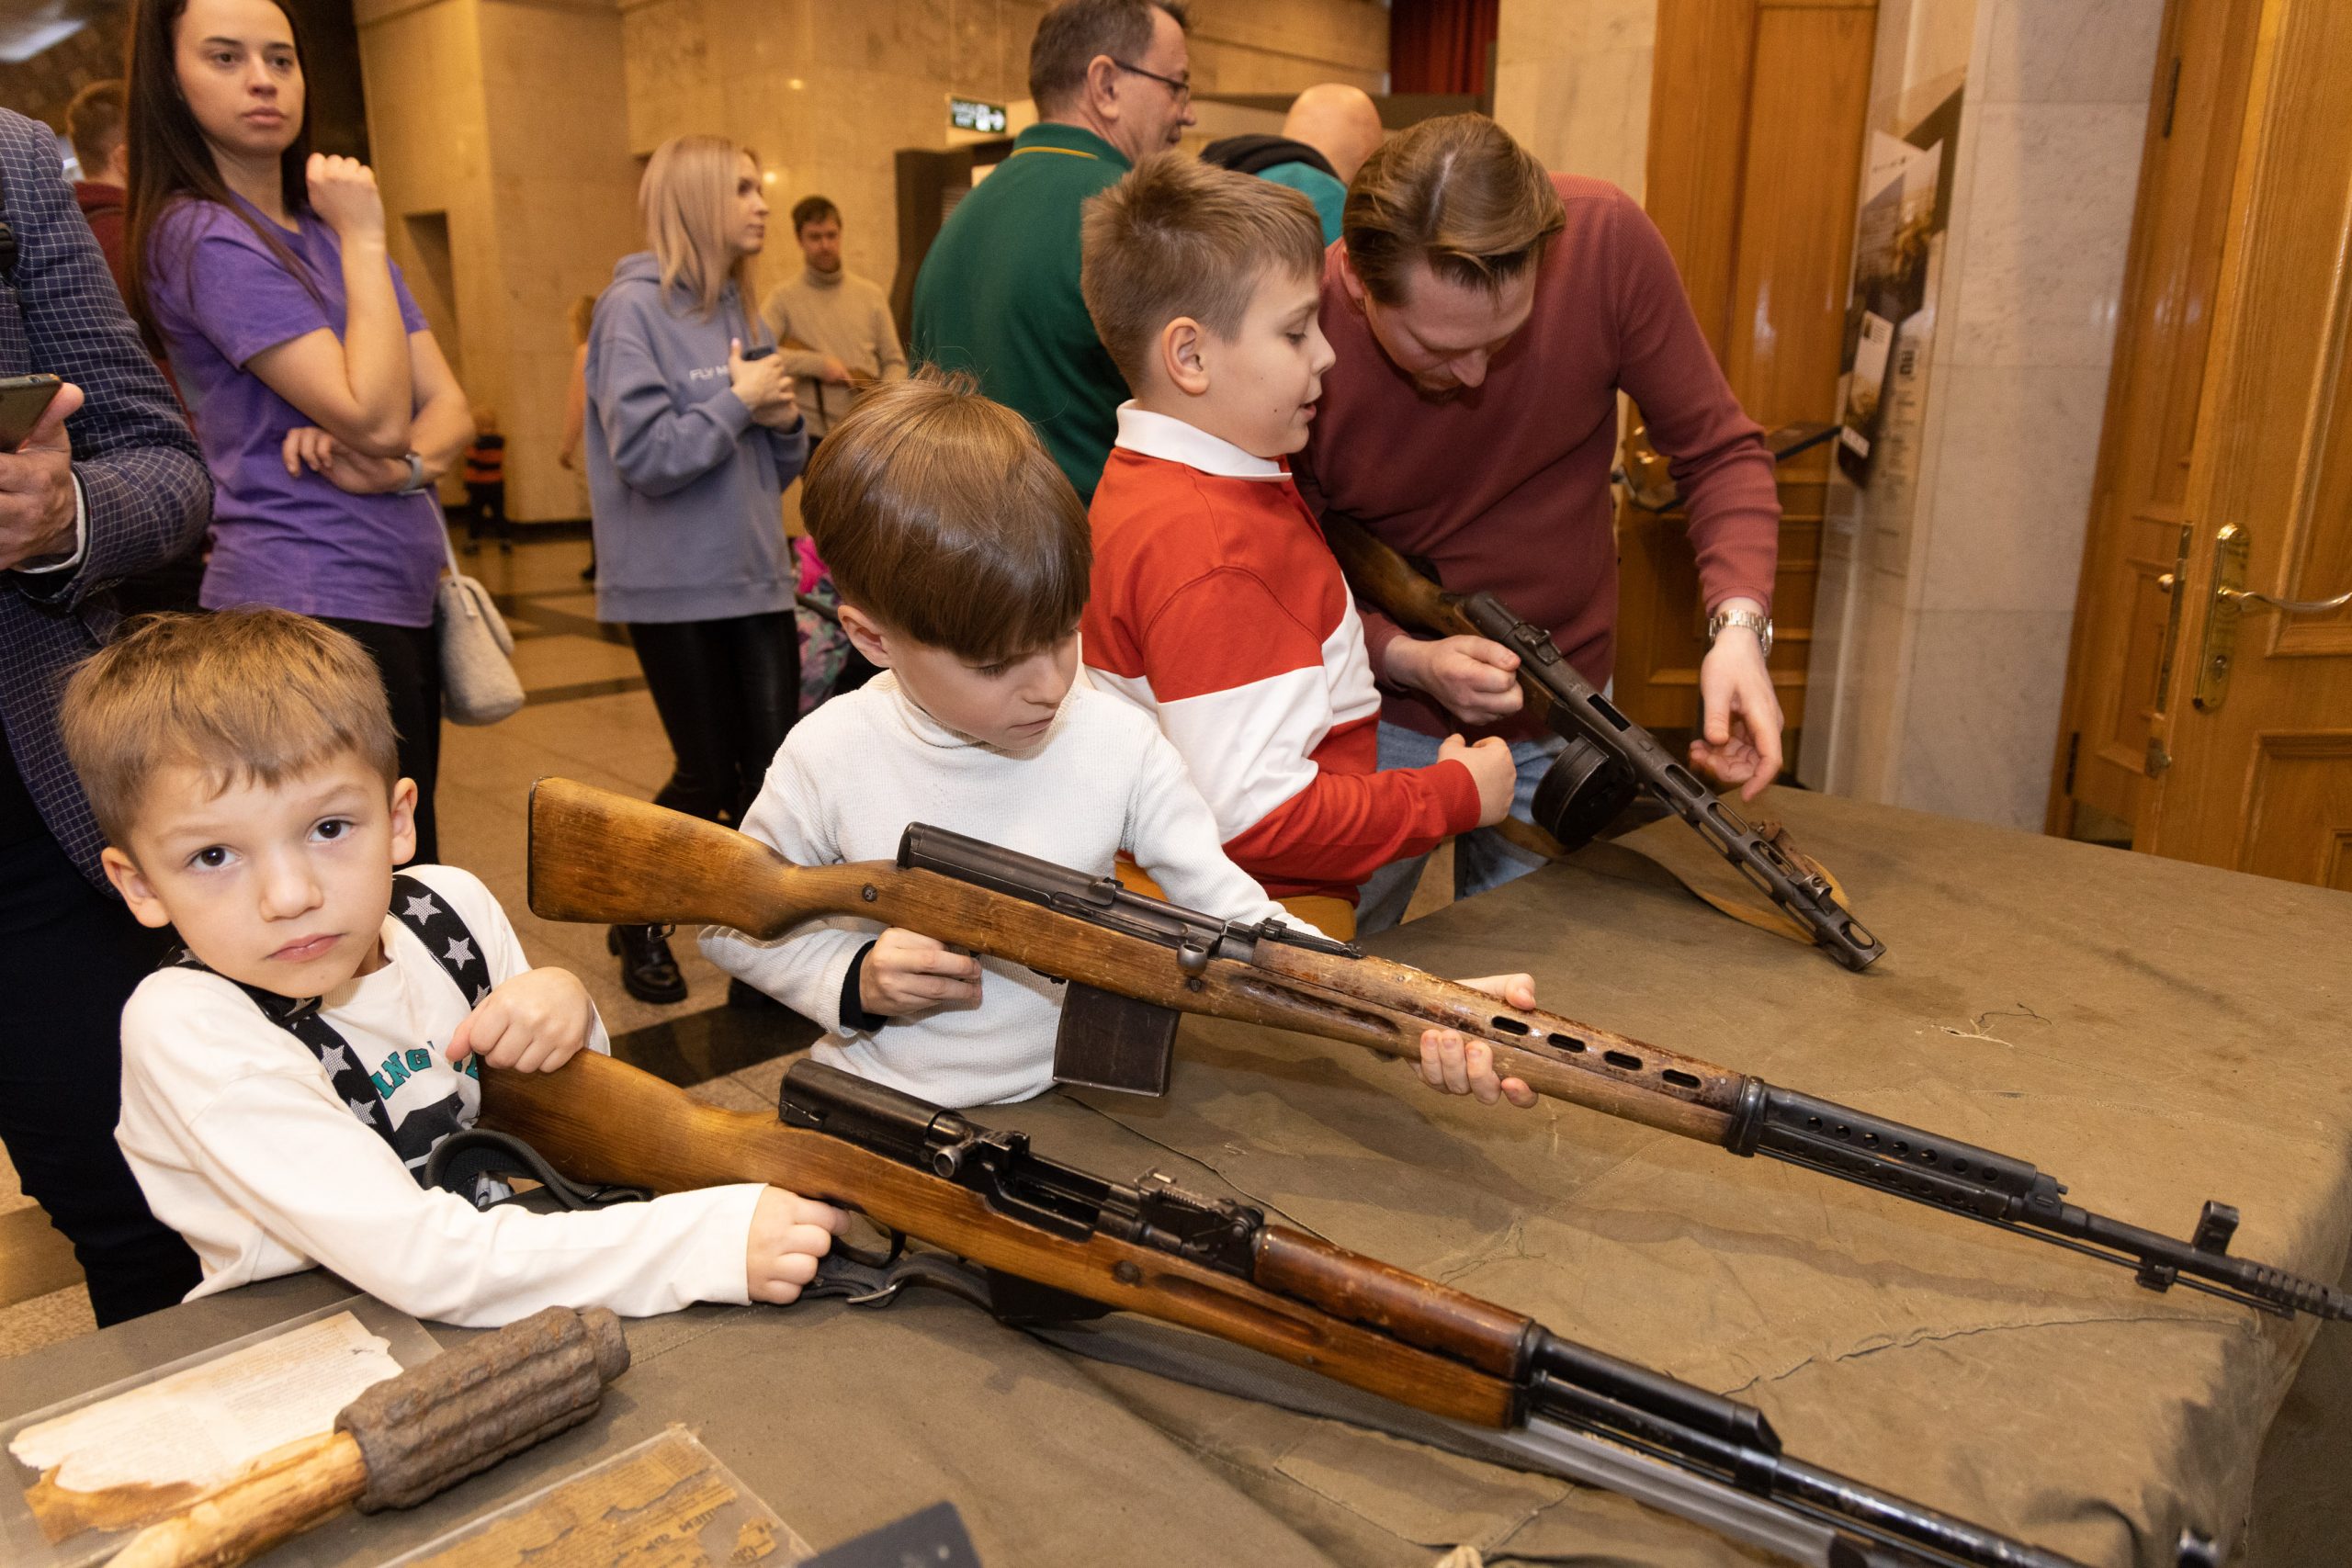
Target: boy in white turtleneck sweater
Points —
{"points": [[962, 555]]}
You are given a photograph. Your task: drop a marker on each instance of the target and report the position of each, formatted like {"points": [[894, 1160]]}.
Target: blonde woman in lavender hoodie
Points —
{"points": [[692, 436]]}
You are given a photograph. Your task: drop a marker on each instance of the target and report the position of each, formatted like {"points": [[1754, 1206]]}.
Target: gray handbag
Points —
{"points": [[478, 681]]}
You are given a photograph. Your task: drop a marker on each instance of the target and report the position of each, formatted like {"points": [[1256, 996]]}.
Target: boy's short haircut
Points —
{"points": [[240, 695], [1178, 237], [813, 210], [940, 514]]}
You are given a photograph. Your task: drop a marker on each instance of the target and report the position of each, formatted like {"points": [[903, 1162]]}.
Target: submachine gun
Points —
{"points": [[1132, 963], [1608, 757], [1046, 1245]]}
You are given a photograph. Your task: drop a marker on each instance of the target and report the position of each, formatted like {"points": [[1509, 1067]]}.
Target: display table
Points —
{"points": [[2152, 1033]]}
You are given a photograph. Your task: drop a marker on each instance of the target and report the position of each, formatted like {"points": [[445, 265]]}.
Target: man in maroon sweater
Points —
{"points": [[1486, 314]]}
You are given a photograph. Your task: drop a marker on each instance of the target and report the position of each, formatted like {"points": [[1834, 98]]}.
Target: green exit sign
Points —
{"points": [[970, 114]]}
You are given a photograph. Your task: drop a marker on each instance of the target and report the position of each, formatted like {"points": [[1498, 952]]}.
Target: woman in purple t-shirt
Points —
{"points": [[325, 409]]}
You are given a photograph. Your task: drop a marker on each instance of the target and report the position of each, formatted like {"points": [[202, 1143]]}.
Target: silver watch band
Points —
{"points": [[1754, 620], [415, 475]]}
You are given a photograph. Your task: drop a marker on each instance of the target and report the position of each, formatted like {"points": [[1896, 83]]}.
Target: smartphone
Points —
{"points": [[23, 399], [759, 353]]}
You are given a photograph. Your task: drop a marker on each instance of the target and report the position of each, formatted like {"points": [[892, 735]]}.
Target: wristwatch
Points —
{"points": [[1754, 620], [415, 475]]}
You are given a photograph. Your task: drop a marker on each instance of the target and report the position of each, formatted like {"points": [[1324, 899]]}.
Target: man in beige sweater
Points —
{"points": [[833, 328]]}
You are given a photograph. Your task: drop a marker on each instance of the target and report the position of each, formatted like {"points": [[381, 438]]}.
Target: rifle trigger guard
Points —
{"points": [[865, 1279]]}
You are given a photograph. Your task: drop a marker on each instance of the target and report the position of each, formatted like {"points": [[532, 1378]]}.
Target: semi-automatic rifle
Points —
{"points": [[1608, 756], [600, 857], [1041, 1244]]}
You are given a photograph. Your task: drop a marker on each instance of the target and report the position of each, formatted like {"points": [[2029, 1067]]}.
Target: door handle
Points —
{"points": [[2249, 598], [2231, 598]]}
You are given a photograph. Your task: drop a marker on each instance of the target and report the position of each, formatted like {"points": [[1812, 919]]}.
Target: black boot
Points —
{"points": [[648, 973]]}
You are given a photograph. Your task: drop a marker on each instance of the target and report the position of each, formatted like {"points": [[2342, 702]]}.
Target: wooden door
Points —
{"points": [[1757, 110], [2140, 515], [2258, 709]]}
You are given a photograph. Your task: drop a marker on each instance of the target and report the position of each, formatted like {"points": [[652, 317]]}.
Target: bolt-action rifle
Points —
{"points": [[1041, 1243], [1132, 963], [1608, 756]]}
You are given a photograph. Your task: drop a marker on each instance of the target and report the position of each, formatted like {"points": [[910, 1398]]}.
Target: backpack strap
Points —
{"points": [[453, 946]]}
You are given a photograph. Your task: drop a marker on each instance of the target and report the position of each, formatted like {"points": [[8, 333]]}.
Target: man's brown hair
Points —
{"points": [[94, 123], [1178, 237], [813, 210], [1070, 35], [940, 514], [240, 695], [1456, 192]]}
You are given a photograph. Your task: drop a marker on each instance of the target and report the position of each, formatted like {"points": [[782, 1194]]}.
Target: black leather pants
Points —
{"points": [[727, 692]]}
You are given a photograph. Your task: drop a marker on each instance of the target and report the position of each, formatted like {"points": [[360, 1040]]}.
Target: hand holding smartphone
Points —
{"points": [[23, 399]]}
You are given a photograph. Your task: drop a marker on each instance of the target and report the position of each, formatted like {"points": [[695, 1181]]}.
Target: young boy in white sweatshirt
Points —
{"points": [[285, 1082], [962, 557]]}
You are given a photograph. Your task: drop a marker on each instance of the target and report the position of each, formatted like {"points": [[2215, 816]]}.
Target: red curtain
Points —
{"points": [[1440, 46]]}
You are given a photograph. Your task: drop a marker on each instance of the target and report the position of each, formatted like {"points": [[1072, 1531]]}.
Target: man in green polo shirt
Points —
{"points": [[997, 295]]}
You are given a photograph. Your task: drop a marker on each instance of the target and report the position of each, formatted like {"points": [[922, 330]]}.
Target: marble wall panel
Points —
{"points": [[1573, 84], [2045, 232], [1954, 657], [1979, 746], [2012, 488], [2069, 51]]}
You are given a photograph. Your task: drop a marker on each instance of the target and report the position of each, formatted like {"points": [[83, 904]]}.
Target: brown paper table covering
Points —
{"points": [[2152, 1033]]}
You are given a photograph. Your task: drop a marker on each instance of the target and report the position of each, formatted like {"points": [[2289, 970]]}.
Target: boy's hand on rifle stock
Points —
{"points": [[534, 1023], [1490, 766], [790, 1233], [1459, 1066], [907, 971]]}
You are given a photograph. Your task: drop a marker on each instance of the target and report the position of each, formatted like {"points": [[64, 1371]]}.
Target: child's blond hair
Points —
{"points": [[939, 513], [1178, 237], [239, 695]]}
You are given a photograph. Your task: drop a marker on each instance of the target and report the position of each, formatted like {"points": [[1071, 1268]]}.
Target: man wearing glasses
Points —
{"points": [[997, 295]]}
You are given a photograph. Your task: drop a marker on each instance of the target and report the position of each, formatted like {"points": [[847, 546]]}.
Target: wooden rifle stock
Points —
{"points": [[601, 1120], [597, 856], [1389, 581]]}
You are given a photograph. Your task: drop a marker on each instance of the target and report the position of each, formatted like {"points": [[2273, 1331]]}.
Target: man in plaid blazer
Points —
{"points": [[110, 484]]}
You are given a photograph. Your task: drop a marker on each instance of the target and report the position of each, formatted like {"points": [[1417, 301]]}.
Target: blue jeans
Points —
{"points": [[1482, 858]]}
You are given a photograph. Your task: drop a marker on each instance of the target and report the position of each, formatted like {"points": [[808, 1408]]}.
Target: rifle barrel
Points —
{"points": [[597, 856]]}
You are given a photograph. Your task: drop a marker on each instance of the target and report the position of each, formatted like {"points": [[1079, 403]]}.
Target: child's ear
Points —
{"points": [[128, 881], [865, 635], [403, 821], [1181, 342]]}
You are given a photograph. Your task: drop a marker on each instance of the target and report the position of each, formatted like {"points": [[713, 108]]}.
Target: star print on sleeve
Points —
{"points": [[422, 908], [461, 951], [333, 1060], [361, 1108]]}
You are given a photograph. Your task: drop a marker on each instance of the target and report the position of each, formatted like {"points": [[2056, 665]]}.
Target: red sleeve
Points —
{"points": [[1717, 453], [1244, 696]]}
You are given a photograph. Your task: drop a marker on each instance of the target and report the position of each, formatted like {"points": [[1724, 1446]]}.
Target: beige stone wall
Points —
{"points": [[1948, 587], [504, 118], [1572, 83], [827, 92], [525, 123]]}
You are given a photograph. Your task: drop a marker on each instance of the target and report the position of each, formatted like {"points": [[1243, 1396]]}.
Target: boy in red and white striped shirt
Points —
{"points": [[1216, 605]]}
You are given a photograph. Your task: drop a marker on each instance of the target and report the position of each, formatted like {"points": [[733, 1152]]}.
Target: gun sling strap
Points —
{"points": [[1728, 894]]}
